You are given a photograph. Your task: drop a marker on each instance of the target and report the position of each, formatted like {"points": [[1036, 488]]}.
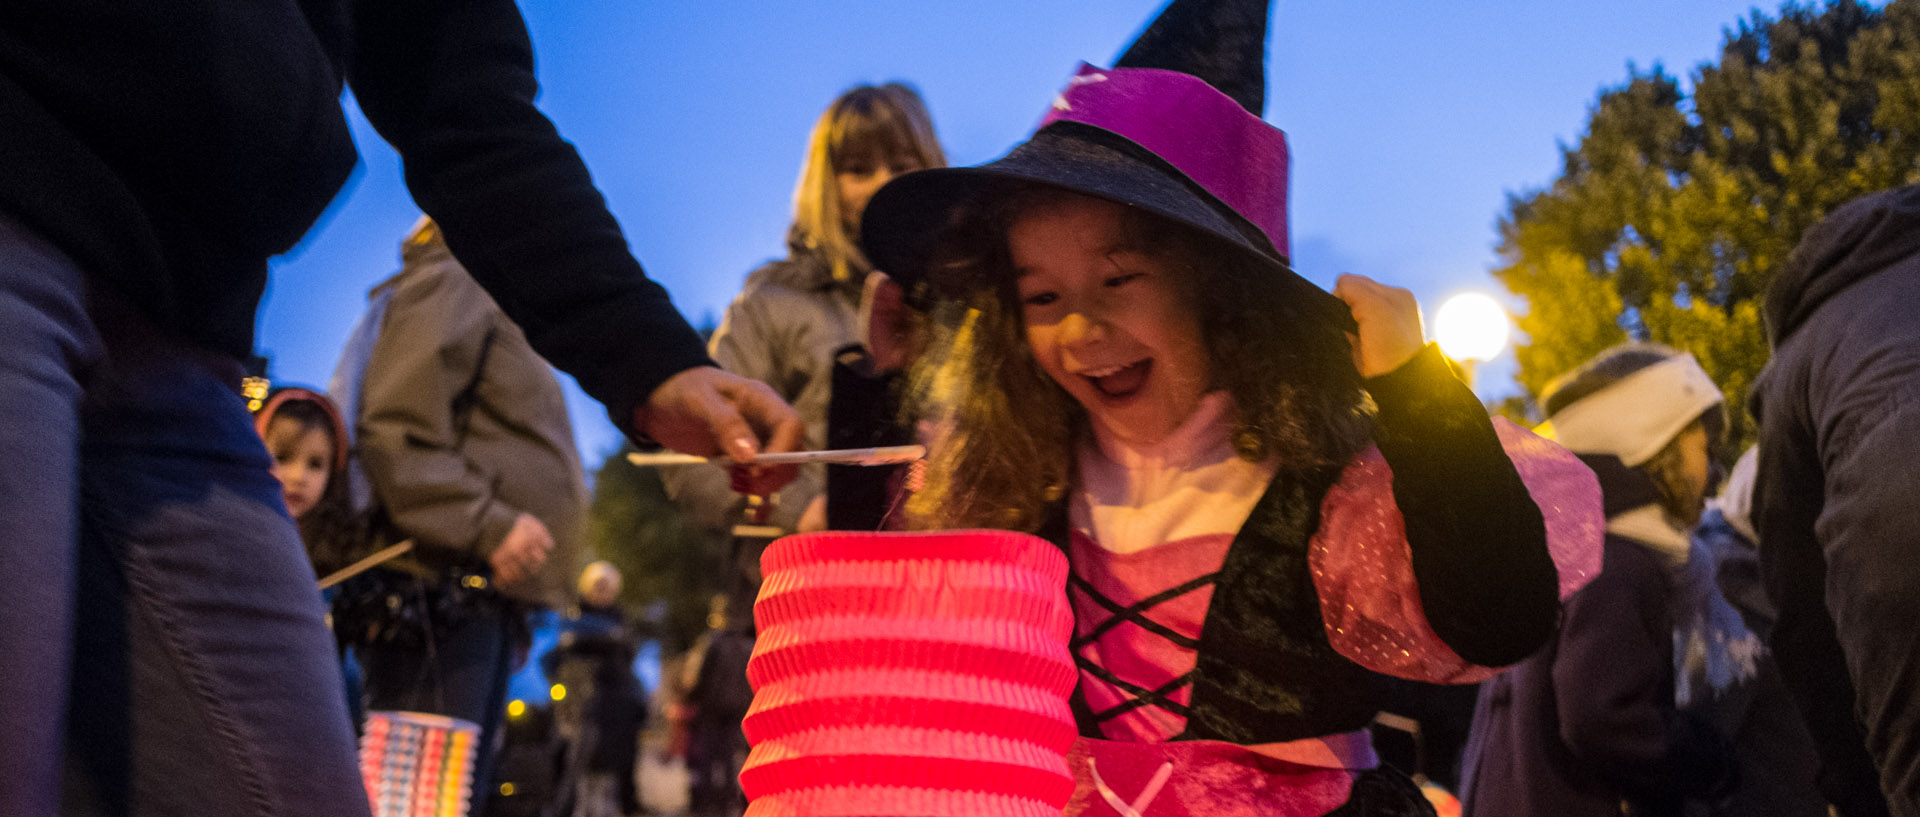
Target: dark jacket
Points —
{"points": [[1839, 409], [595, 656], [171, 148], [1588, 726], [1738, 688]]}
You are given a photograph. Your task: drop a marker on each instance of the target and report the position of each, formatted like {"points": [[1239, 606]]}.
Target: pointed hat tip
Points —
{"points": [[1223, 42]]}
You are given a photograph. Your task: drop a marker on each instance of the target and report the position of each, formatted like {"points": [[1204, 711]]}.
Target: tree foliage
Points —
{"points": [[670, 567], [1673, 211]]}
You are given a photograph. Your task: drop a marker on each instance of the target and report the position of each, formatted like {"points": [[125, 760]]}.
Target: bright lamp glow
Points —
{"points": [[1471, 326]]}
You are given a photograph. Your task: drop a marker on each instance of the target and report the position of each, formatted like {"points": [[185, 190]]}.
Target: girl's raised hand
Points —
{"points": [[1389, 320]]}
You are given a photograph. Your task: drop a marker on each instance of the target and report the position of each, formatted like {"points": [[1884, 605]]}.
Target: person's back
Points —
{"points": [[1840, 436], [187, 142], [1510, 770]]}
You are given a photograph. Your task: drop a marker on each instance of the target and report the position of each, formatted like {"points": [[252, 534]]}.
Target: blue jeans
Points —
{"points": [[162, 638]]}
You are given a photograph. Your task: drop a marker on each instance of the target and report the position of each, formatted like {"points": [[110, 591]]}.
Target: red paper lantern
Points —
{"points": [[921, 674]]}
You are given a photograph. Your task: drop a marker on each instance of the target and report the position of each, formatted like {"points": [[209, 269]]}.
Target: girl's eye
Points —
{"points": [[1124, 278], [1040, 299]]}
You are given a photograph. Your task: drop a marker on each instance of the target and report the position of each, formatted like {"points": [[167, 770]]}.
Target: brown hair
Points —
{"points": [[1005, 431], [867, 123], [331, 530]]}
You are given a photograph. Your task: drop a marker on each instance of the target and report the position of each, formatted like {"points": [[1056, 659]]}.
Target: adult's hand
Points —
{"points": [[706, 411], [522, 553], [1389, 320]]}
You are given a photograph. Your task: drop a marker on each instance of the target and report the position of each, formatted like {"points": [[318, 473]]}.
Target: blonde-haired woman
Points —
{"points": [[795, 314], [869, 135]]}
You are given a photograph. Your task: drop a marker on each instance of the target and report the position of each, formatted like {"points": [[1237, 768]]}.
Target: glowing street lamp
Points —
{"points": [[1471, 327]]}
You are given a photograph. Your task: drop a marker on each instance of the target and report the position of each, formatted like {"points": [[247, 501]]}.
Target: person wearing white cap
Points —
{"points": [[1589, 726]]}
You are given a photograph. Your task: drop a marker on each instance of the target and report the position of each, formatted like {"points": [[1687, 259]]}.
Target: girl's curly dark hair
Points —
{"points": [[1003, 432]]}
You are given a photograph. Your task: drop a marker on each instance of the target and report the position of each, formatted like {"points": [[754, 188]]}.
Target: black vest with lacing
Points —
{"points": [[1265, 671]]}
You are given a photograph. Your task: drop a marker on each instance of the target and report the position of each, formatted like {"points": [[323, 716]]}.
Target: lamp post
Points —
{"points": [[1471, 327]]}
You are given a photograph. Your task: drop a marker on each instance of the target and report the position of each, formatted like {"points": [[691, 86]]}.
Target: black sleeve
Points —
{"points": [[1479, 543], [450, 85]]}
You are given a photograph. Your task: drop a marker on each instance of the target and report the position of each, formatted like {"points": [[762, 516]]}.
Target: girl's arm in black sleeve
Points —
{"points": [[1478, 540]]}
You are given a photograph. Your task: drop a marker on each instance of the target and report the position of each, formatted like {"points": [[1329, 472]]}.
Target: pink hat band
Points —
{"points": [[910, 674], [1203, 133]]}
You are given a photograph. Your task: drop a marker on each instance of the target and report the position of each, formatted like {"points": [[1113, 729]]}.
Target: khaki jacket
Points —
{"points": [[458, 495]]}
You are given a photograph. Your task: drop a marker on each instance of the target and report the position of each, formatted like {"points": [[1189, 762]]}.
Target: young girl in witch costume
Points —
{"points": [[1270, 497]]}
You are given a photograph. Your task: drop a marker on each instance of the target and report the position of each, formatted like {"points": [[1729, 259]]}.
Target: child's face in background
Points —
{"points": [[1112, 324], [302, 461]]}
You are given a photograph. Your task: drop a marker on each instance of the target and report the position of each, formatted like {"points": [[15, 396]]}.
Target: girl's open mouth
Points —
{"points": [[1120, 381]]}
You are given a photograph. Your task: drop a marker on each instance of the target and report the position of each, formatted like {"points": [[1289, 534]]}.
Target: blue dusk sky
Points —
{"points": [[1409, 123]]}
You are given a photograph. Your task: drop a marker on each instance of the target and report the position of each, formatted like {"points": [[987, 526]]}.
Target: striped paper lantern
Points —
{"points": [[921, 674], [418, 765]]}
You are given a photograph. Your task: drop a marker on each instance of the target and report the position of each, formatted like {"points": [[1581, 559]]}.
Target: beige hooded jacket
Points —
{"points": [[457, 492]]}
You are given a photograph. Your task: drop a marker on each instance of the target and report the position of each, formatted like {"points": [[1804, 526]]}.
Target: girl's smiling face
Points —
{"points": [[302, 461], [1112, 323]]}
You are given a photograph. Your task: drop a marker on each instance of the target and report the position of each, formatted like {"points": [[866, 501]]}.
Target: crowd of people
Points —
{"points": [[1282, 509]]}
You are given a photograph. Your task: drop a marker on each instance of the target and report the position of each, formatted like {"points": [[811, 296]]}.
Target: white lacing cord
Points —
{"points": [[1139, 806]]}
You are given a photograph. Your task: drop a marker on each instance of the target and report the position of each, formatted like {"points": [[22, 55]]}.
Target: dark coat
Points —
{"points": [[595, 654], [1835, 509], [1753, 710], [170, 149], [1588, 725]]}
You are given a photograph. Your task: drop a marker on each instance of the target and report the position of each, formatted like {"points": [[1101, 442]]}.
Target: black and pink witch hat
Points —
{"points": [[1173, 128]]}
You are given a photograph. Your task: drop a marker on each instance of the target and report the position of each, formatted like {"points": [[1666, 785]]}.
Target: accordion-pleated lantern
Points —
{"points": [[911, 675], [418, 765]]}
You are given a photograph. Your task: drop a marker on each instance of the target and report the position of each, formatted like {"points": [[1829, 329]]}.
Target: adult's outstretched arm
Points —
{"points": [[451, 86]]}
